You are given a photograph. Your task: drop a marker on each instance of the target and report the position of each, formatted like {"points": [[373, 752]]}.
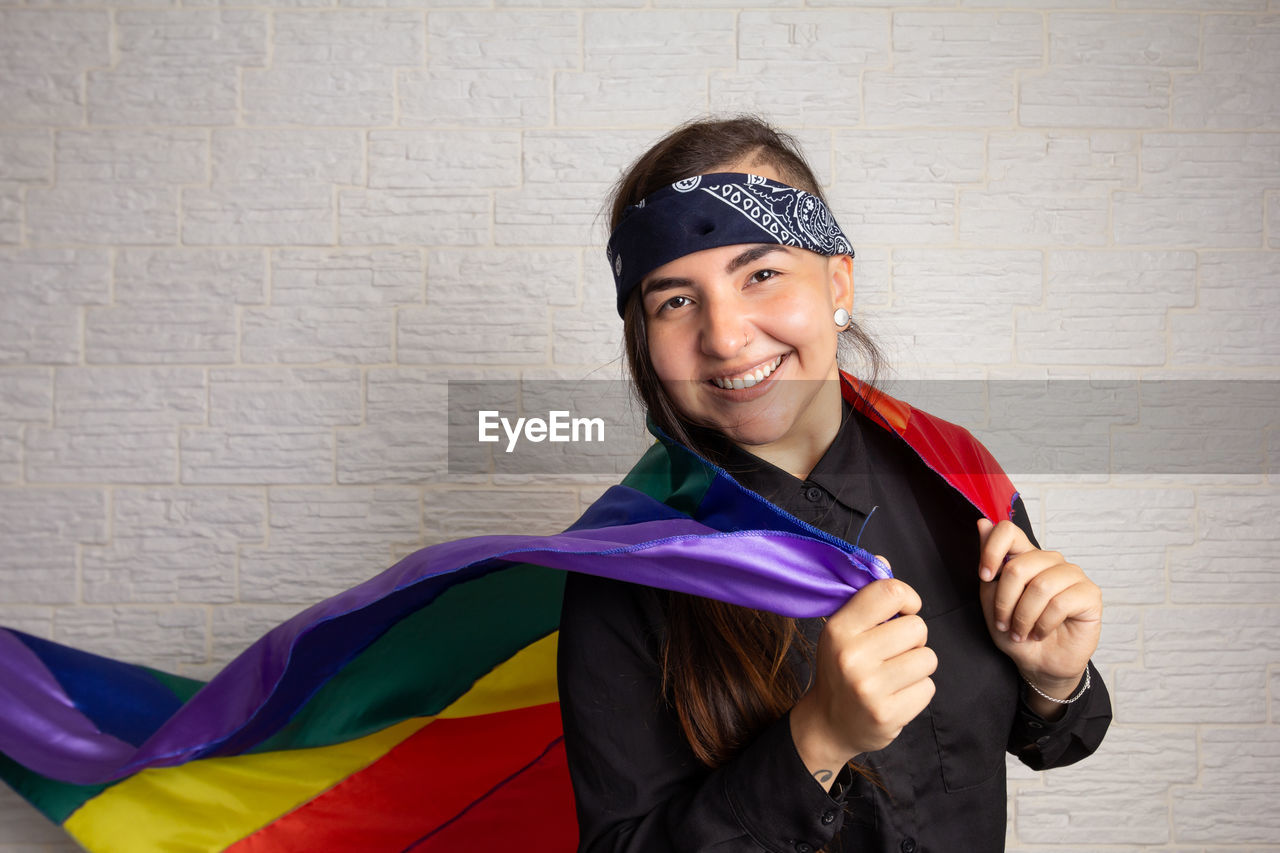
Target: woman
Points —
{"points": [[696, 725]]}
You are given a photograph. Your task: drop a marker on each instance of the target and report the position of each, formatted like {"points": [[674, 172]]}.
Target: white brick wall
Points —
{"points": [[243, 249]]}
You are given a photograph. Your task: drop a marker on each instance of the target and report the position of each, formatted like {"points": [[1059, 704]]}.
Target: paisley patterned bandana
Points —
{"points": [[719, 209]]}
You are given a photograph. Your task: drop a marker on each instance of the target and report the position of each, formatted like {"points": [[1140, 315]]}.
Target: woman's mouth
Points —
{"points": [[750, 378]]}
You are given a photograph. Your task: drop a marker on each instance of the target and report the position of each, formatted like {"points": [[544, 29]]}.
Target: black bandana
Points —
{"points": [[709, 211]]}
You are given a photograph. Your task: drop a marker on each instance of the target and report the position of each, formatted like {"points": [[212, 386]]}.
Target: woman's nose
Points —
{"points": [[725, 327]]}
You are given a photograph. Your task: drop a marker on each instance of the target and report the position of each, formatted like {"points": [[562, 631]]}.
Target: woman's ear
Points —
{"points": [[840, 273]]}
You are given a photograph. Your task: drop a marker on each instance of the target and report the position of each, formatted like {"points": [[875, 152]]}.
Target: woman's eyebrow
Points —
{"points": [[751, 255]]}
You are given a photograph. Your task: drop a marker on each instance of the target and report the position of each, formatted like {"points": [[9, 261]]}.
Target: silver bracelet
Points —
{"points": [[1079, 693]]}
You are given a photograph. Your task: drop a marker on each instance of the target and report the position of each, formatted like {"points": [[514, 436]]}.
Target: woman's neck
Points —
{"points": [[798, 453]]}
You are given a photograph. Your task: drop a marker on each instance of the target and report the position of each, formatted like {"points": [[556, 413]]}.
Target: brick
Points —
{"points": [[284, 397], [591, 157], [458, 512], [1104, 813], [1132, 290], [256, 455], [531, 41], [1217, 101], [502, 97], [461, 336], [175, 39], [1225, 638], [160, 333], [325, 540], [52, 40], [1195, 5], [42, 97], [414, 396], [137, 95], [892, 160], [129, 396], [10, 214], [141, 157], [590, 334], [336, 95], [966, 41], [1273, 220], [522, 281], [443, 159], [815, 37], [309, 334], [39, 304], [1187, 217], [937, 99], [389, 455], [1238, 315], [26, 395], [1120, 536], [1242, 43], [25, 155], [550, 214], [252, 214], [1238, 785], [941, 335], [1210, 161], [1108, 40], [200, 276], [1121, 639], [1191, 696], [1031, 219], [29, 619], [103, 213], [1084, 96], [799, 93], [1062, 163], [413, 217], [347, 38], [657, 97], [235, 627], [101, 453], [963, 277], [689, 40], [331, 277], [160, 637], [278, 156], [173, 545], [40, 531]]}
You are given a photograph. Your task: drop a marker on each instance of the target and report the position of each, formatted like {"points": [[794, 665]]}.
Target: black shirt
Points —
{"points": [[940, 786]]}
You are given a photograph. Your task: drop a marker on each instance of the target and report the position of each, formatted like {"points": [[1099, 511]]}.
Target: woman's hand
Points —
{"points": [[871, 678], [1042, 611]]}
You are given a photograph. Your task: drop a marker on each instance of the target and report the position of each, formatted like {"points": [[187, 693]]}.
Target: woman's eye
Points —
{"points": [[673, 302], [761, 275]]}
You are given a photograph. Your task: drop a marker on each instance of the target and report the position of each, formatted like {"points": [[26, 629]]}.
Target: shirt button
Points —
{"points": [[828, 817], [908, 845], [813, 493], [803, 847], [1041, 741], [1032, 724]]}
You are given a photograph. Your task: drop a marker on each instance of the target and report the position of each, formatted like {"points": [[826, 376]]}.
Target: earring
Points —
{"points": [[841, 317]]}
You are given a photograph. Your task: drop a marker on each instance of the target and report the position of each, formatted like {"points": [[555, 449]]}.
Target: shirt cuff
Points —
{"points": [[1041, 743], [776, 800]]}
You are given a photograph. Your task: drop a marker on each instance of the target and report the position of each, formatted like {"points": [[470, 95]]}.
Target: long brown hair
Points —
{"points": [[725, 669]]}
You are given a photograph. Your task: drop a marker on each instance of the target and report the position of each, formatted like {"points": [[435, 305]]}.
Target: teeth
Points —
{"points": [[750, 378]]}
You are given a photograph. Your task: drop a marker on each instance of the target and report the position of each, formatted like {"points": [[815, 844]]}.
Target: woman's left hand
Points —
{"points": [[1042, 611]]}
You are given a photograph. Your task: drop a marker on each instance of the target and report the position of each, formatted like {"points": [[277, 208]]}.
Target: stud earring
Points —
{"points": [[841, 317]]}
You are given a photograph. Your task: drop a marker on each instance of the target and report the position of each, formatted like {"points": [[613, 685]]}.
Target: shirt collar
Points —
{"points": [[843, 471]]}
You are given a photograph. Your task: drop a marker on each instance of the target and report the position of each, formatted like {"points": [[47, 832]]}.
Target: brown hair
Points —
{"points": [[725, 668]]}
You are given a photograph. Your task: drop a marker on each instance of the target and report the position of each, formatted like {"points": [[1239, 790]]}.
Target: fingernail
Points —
{"points": [[1016, 638], [985, 573], [1002, 627]]}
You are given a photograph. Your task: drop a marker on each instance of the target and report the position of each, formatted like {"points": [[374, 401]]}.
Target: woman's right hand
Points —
{"points": [[871, 678]]}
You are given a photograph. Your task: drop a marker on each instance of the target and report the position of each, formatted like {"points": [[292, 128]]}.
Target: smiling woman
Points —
{"points": [[693, 724]]}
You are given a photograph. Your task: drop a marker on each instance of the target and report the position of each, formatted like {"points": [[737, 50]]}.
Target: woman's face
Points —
{"points": [[758, 319]]}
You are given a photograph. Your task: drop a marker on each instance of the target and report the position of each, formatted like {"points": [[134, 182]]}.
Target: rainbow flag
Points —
{"points": [[417, 710]]}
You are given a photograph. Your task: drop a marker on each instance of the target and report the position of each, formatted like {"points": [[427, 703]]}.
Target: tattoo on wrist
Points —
{"points": [[823, 776]]}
